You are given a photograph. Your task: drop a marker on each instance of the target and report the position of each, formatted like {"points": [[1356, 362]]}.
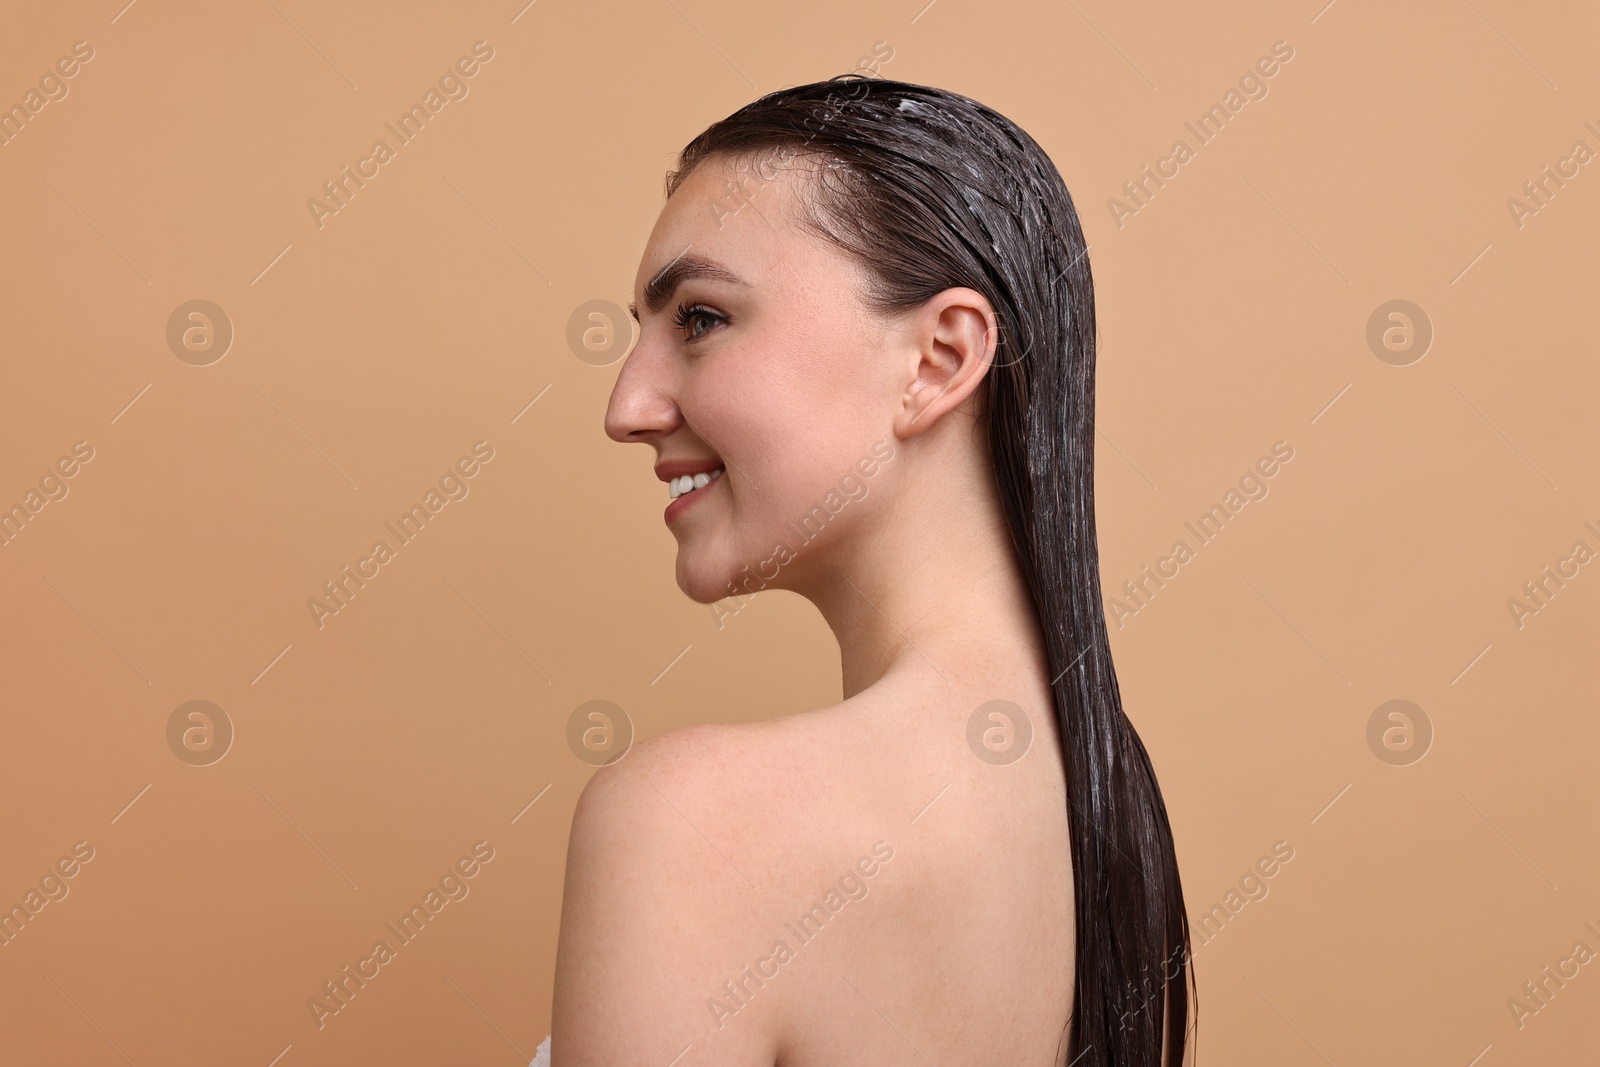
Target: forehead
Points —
{"points": [[736, 212]]}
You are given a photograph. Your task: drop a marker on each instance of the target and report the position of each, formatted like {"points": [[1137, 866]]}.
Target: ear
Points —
{"points": [[950, 345]]}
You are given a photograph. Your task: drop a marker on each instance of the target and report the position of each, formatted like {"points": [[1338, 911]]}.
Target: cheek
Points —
{"points": [[755, 414], [791, 414]]}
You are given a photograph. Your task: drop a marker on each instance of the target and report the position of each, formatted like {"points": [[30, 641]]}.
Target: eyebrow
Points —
{"points": [[666, 282]]}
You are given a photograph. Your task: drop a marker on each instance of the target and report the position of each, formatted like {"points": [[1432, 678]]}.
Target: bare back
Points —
{"points": [[848, 886], [961, 948]]}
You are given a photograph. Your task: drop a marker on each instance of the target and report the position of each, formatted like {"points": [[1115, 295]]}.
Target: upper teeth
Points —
{"points": [[685, 483]]}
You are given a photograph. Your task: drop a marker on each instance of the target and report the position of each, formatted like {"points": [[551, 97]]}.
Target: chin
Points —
{"points": [[701, 580]]}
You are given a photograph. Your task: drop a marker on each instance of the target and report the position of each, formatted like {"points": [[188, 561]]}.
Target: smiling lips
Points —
{"points": [[688, 483], [685, 478]]}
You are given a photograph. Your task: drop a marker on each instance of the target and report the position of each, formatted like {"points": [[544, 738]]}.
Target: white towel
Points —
{"points": [[541, 1057]]}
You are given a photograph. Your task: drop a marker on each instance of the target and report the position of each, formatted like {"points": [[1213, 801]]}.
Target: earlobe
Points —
{"points": [[918, 415]]}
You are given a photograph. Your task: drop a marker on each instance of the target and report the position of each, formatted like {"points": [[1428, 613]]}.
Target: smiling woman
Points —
{"points": [[914, 275]]}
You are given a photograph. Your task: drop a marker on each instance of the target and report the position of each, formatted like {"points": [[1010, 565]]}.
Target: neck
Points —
{"points": [[930, 590]]}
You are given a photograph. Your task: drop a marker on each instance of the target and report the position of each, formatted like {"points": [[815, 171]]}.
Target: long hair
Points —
{"points": [[927, 190]]}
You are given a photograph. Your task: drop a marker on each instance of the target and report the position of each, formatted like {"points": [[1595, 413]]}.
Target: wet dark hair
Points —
{"points": [[928, 190]]}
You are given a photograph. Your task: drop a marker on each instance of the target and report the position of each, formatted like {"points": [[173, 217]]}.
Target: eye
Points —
{"points": [[689, 314]]}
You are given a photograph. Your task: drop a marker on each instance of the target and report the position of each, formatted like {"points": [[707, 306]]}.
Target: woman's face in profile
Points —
{"points": [[771, 370]]}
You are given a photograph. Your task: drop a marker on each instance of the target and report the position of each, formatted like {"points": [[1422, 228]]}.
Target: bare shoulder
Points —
{"points": [[756, 763], [669, 859], [702, 806], [628, 803]]}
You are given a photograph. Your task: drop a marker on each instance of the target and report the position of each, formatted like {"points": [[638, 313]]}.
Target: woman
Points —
{"points": [[865, 366]]}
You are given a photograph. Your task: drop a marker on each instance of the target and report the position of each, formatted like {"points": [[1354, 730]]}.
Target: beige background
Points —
{"points": [[432, 309]]}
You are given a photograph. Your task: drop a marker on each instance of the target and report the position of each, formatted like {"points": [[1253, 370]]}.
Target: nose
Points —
{"points": [[641, 405]]}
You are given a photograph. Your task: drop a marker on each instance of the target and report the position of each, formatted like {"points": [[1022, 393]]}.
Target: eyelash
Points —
{"points": [[687, 313]]}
